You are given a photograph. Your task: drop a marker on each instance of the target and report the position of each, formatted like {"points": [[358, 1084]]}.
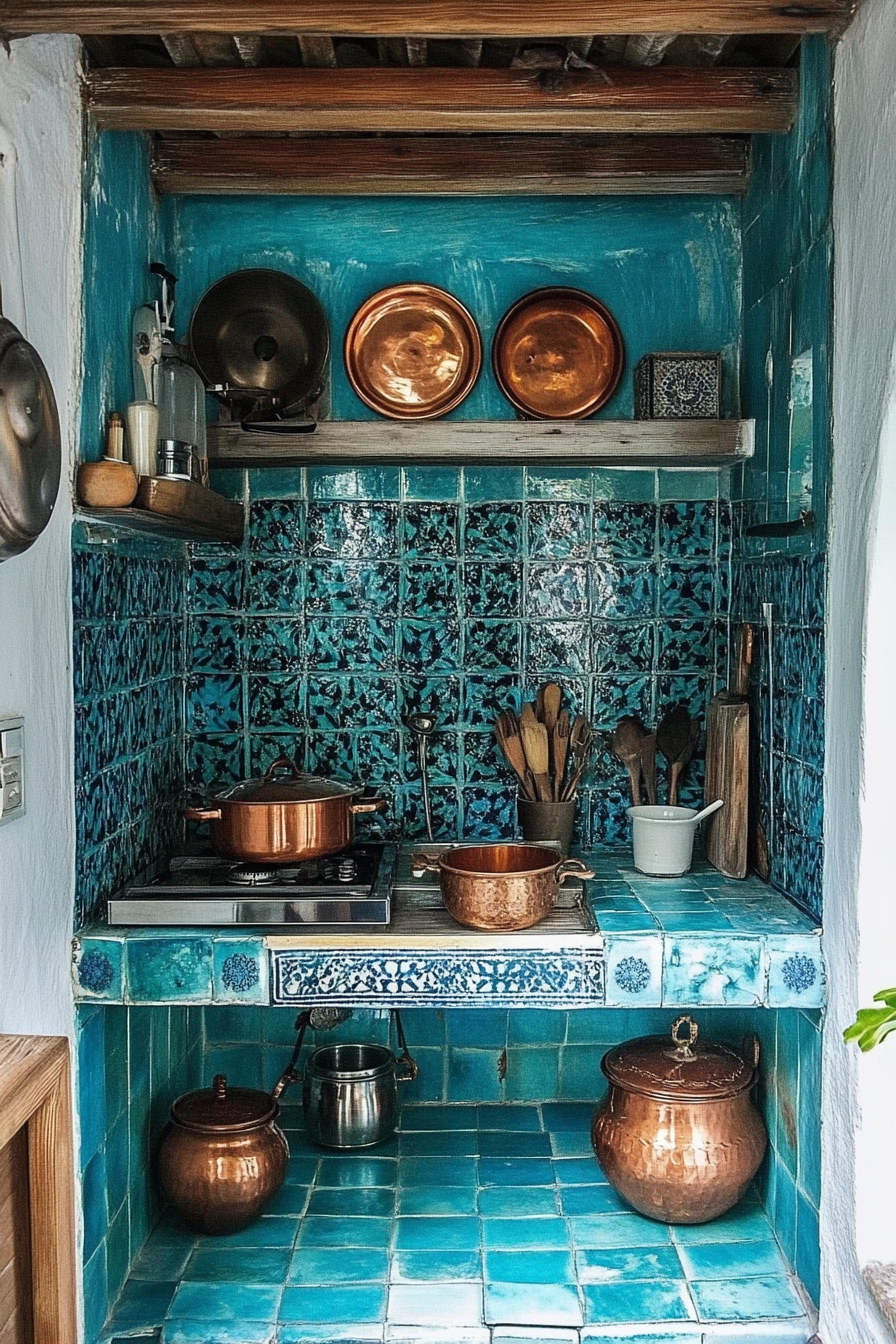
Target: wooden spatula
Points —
{"points": [[507, 731], [672, 737], [535, 745], [626, 744]]}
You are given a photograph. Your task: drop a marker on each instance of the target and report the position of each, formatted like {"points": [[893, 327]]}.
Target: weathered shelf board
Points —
{"points": [[439, 18], [536, 443], [663, 100], [424, 165], [154, 524]]}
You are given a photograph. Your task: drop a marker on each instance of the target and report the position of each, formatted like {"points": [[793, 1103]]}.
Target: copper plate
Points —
{"points": [[558, 354], [412, 352]]}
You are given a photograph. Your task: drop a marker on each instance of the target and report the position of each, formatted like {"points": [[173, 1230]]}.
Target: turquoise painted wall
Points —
{"points": [[667, 267]]}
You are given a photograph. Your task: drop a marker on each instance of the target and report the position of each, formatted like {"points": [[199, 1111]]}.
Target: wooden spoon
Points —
{"points": [[672, 737], [648, 765], [535, 745], [560, 749], [626, 744], [551, 697], [507, 731], [679, 765]]}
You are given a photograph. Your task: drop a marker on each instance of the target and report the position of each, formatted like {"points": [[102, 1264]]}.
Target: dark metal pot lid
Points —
{"points": [[30, 443], [292, 787], [676, 1068], [220, 1109], [263, 336]]}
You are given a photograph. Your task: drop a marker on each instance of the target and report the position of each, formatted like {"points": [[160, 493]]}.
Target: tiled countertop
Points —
{"points": [[477, 1223], [697, 941]]}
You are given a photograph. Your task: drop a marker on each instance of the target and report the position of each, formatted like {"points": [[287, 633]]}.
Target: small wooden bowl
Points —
{"points": [[108, 484]]}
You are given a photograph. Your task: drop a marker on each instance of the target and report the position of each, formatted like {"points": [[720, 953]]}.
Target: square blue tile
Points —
{"points": [[325, 1265], [473, 1075], [753, 1299], [427, 1171], [515, 1171], [436, 1266], [444, 1304], [351, 1333], [438, 1143], [619, 1230], [509, 1119], [141, 1305], [257, 1265], [496, 1144], [517, 1201], [225, 1302], [266, 1231], [535, 1026], [415, 1118], [377, 1202], [587, 1199], [513, 1234], [529, 1266], [301, 1170], [349, 1232], [359, 1172], [638, 1301], [532, 1072], [723, 971], [796, 975], [571, 1145], [579, 1171], [435, 1234], [732, 1260], [162, 970], [97, 969], [567, 1117], [437, 1200], [289, 1200], [532, 1304], [218, 1332], [162, 1261], [743, 1223], [240, 971], [342, 1302], [623, 1266]]}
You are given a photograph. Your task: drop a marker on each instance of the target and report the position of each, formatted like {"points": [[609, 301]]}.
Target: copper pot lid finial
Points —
{"points": [[683, 1071], [221, 1109]]}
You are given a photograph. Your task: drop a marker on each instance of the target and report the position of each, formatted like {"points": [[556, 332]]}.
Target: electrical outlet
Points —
{"points": [[12, 769]]}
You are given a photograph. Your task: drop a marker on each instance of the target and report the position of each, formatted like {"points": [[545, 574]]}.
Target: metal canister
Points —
{"points": [[678, 1135]]}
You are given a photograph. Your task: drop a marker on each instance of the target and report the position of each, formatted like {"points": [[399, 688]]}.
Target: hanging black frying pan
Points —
{"points": [[30, 443], [260, 337]]}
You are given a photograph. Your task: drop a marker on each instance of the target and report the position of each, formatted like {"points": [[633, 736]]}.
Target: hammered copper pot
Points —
{"points": [[678, 1136], [500, 887], [222, 1156]]}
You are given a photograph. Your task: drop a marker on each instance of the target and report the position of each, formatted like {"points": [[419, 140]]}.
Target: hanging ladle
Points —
{"points": [[422, 727]]}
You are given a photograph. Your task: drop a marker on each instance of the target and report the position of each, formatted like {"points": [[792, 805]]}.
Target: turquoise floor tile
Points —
{"points": [[746, 1299], [509, 1118], [376, 1202], [579, 1171], [301, 1170], [567, 1117], [637, 1301], [163, 1262], [436, 1266], [364, 1171], [225, 1302], [439, 1143], [515, 1171], [532, 1304], [438, 1117], [517, 1201], [423, 1200], [510, 1234], [620, 1230], [448, 1304], [218, 1332], [266, 1231], [745, 1223], [371, 1232], [618, 1266], [323, 1265], [308, 1333], [142, 1305], [344, 1302], [496, 1144], [584, 1199], [289, 1199], [732, 1260], [529, 1267], [437, 1171], [571, 1145], [435, 1234], [248, 1264]]}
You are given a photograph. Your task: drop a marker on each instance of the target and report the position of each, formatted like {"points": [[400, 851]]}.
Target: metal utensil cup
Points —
{"points": [[547, 821]]}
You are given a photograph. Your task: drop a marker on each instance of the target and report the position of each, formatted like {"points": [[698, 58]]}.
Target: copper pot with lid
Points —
{"points": [[223, 1156], [284, 816], [678, 1135]]}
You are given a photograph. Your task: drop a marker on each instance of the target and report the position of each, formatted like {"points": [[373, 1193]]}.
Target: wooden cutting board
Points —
{"points": [[191, 503], [728, 767]]}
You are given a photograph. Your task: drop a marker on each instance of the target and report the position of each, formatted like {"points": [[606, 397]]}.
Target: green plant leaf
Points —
{"points": [[872, 1025]]}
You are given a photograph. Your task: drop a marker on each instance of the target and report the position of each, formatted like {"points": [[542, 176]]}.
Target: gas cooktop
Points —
{"points": [[348, 888]]}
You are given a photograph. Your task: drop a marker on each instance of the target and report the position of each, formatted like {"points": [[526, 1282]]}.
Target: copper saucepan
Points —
{"points": [[284, 817], [500, 887]]}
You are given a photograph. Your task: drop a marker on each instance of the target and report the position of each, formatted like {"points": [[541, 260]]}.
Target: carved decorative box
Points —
{"points": [[678, 386]]}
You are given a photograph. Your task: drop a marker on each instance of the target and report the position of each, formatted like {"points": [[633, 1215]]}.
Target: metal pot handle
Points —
{"points": [[282, 763], [369, 805], [424, 863], [202, 814], [572, 868], [405, 1056], [290, 1074]]}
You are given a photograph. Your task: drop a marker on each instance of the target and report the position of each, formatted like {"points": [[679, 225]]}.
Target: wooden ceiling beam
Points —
{"points": [[482, 166], [437, 19], [660, 100]]}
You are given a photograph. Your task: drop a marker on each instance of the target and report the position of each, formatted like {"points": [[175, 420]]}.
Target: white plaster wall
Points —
{"points": [[40, 112], [859, 1112]]}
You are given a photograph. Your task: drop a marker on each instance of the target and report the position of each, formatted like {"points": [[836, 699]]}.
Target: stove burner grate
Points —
{"points": [[242, 875]]}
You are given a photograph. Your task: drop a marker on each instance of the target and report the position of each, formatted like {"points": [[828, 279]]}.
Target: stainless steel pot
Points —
{"points": [[284, 817], [350, 1092]]}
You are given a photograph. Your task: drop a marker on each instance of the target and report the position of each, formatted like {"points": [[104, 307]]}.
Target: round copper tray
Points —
{"points": [[558, 354], [412, 352]]}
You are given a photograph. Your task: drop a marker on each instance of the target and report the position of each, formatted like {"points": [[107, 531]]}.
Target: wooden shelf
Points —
{"points": [[581, 443], [153, 524]]}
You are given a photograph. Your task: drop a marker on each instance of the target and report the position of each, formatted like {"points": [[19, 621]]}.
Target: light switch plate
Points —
{"points": [[12, 769]]}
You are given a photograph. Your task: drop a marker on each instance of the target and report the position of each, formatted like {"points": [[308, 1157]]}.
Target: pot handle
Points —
{"points": [[282, 763], [572, 868], [424, 863], [202, 814], [405, 1056], [290, 1074], [369, 805]]}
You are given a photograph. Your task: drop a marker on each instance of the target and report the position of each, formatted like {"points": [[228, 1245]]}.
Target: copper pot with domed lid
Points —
{"points": [[678, 1135]]}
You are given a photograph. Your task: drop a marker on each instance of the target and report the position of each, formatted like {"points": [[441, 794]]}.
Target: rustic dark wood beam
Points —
{"points": [[483, 166], [661, 100], [439, 18]]}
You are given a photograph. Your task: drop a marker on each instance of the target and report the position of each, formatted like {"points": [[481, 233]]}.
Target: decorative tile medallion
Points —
{"points": [[240, 971], [96, 969]]}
